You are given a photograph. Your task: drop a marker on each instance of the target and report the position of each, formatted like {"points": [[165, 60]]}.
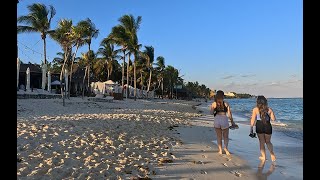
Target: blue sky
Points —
{"points": [[245, 46]]}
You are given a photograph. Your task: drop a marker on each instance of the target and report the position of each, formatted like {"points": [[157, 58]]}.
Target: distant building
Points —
{"points": [[36, 78], [230, 94], [35, 75]]}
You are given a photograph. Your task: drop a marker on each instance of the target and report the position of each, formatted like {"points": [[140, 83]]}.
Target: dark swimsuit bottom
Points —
{"points": [[262, 128]]}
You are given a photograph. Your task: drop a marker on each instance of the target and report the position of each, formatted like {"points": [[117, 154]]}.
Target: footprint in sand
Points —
{"points": [[203, 172], [236, 164], [225, 164], [236, 173], [198, 162], [204, 156]]}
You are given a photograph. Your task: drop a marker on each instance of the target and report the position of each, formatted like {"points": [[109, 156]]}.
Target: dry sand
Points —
{"points": [[159, 139]]}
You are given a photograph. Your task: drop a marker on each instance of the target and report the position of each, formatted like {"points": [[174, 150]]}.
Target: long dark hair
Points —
{"points": [[218, 98], [262, 105]]}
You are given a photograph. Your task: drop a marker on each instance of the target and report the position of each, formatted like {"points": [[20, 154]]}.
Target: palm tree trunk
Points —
{"points": [[111, 68], [44, 50], [84, 77], [128, 77], [89, 90], [141, 82], [71, 69], [61, 75], [124, 59], [45, 57], [108, 74], [162, 87], [149, 82], [135, 78]]}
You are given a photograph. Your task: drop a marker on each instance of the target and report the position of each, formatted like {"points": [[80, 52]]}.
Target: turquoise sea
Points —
{"points": [[288, 112], [287, 136]]}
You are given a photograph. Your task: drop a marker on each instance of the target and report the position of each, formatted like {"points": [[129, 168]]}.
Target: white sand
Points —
{"points": [[118, 140]]}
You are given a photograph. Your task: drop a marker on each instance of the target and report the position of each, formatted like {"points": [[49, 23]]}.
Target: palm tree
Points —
{"points": [[160, 67], [78, 34], [59, 60], [37, 21], [125, 34], [172, 75], [109, 54], [90, 31], [87, 60], [141, 69], [149, 54], [63, 36], [119, 36]]}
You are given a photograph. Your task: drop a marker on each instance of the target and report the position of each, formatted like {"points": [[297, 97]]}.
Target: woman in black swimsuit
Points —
{"points": [[261, 117]]}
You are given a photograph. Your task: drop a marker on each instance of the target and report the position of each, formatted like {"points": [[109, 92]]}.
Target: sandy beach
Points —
{"points": [[157, 139]]}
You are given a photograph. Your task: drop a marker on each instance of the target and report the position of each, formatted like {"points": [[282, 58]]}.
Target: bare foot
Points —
{"points": [[220, 152], [273, 157], [262, 158], [227, 152]]}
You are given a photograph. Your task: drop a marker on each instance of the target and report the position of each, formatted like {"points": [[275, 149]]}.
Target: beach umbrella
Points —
{"points": [[49, 82], [28, 79], [18, 69]]}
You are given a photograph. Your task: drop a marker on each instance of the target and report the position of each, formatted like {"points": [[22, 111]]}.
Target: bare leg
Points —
{"points": [[219, 139], [270, 146], [262, 141], [225, 133]]}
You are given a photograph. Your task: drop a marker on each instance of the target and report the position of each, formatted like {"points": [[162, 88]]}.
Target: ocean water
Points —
{"points": [[288, 112], [287, 136]]}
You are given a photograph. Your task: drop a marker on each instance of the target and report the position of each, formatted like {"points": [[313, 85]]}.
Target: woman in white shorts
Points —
{"points": [[222, 112]]}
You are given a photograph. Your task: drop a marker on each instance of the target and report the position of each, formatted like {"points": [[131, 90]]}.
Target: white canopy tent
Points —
{"points": [[56, 82]]}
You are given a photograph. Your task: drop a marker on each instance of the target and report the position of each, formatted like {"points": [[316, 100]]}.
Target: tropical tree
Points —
{"points": [[38, 20], [87, 60], [59, 60], [90, 32], [78, 34], [109, 55], [63, 36], [125, 35], [160, 69], [171, 74], [149, 55], [119, 36], [141, 70]]}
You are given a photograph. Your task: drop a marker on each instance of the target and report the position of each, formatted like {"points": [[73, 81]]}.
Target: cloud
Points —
{"points": [[293, 76], [248, 75], [294, 81], [252, 84], [228, 77]]}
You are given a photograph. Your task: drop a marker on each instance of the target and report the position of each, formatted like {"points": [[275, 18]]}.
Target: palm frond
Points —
{"points": [[22, 29], [52, 13]]}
